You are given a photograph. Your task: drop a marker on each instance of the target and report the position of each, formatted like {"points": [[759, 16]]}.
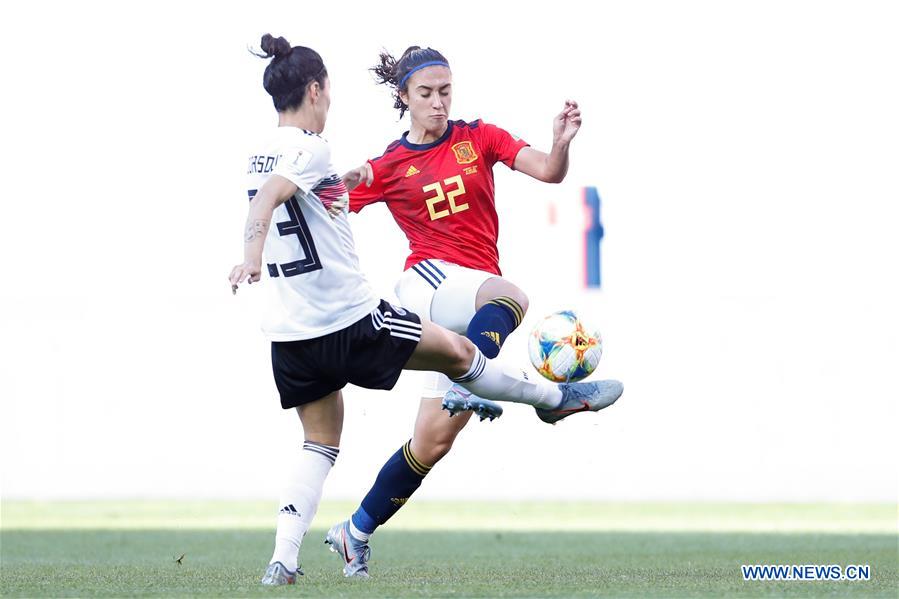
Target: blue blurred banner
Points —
{"points": [[592, 235]]}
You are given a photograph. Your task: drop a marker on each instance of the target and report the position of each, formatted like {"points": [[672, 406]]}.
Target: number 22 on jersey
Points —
{"points": [[445, 195]]}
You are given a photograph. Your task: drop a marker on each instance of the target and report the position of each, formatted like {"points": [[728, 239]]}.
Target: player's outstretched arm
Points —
{"points": [[275, 192], [552, 167]]}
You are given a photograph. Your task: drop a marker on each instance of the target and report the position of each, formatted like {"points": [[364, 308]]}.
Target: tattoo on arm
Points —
{"points": [[255, 230]]}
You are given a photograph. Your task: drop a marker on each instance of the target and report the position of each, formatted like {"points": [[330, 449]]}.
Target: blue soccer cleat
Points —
{"points": [[355, 553], [277, 574], [582, 397], [458, 400]]}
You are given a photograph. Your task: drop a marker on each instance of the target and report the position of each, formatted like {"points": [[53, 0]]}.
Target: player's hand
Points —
{"points": [[336, 207], [360, 174], [567, 122], [250, 273]]}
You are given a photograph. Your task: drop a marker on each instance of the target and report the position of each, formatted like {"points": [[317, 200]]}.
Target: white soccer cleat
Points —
{"points": [[277, 574], [458, 400], [355, 553], [582, 397]]}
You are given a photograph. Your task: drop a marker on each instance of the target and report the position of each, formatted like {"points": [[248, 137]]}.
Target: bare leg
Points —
{"points": [[322, 420], [441, 350], [435, 431]]}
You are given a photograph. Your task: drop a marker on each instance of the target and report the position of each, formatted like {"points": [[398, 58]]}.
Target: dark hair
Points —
{"points": [[290, 71], [392, 72]]}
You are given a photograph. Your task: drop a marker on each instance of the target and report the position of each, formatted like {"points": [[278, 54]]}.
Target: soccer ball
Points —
{"points": [[562, 349]]}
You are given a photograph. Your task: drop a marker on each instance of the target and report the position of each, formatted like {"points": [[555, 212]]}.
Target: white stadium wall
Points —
{"points": [[745, 155]]}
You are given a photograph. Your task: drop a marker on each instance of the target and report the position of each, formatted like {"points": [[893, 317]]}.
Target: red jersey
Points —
{"points": [[441, 193]]}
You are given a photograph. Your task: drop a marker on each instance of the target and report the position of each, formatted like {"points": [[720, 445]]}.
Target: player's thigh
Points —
{"points": [[322, 419], [495, 287], [435, 430], [442, 351], [415, 290], [446, 294], [456, 299]]}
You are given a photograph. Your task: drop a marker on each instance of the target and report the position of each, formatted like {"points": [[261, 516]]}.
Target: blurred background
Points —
{"points": [[745, 153]]}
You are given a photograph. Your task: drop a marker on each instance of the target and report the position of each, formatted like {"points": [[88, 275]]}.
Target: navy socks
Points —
{"points": [[397, 480], [491, 324]]}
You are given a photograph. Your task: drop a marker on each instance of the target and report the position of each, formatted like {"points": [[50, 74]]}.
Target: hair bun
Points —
{"points": [[409, 51], [274, 46]]}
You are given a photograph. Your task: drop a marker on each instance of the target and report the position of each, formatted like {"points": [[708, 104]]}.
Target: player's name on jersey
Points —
{"points": [[262, 164]]}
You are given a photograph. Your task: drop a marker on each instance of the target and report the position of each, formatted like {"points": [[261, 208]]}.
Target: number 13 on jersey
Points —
{"points": [[445, 195]]}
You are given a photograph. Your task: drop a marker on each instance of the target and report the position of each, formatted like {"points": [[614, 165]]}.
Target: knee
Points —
{"points": [[497, 287], [462, 356], [519, 297], [522, 299]]}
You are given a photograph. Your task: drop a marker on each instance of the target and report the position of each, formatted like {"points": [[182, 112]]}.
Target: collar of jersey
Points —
{"points": [[408, 144]]}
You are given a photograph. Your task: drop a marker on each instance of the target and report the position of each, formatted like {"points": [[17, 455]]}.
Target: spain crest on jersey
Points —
{"points": [[464, 152]]}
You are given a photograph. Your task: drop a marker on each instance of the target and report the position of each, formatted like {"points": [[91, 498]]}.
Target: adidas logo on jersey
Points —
{"points": [[492, 336], [399, 501], [290, 510], [412, 171]]}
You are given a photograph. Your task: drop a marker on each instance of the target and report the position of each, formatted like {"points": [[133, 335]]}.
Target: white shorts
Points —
{"points": [[445, 294]]}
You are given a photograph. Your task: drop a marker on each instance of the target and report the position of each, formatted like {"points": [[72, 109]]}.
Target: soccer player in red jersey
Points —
{"points": [[437, 181]]}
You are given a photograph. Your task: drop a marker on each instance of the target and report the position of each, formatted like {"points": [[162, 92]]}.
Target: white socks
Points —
{"points": [[300, 498], [491, 379], [358, 534]]}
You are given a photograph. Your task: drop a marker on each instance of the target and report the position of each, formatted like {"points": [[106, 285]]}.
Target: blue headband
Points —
{"points": [[432, 63]]}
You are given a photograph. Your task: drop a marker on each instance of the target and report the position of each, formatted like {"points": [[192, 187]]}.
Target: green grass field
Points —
{"points": [[115, 549]]}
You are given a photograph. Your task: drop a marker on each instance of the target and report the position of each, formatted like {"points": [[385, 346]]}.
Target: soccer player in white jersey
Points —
{"points": [[326, 325]]}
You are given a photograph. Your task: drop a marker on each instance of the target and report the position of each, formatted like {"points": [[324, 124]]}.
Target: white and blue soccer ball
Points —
{"points": [[563, 349]]}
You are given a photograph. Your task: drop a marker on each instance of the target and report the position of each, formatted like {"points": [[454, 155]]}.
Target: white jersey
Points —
{"points": [[310, 265]]}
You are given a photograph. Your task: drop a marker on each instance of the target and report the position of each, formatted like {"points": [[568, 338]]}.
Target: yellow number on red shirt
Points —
{"points": [[449, 197], [451, 194], [437, 198]]}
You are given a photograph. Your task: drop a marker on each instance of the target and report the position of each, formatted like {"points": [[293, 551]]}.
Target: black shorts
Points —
{"points": [[370, 353]]}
